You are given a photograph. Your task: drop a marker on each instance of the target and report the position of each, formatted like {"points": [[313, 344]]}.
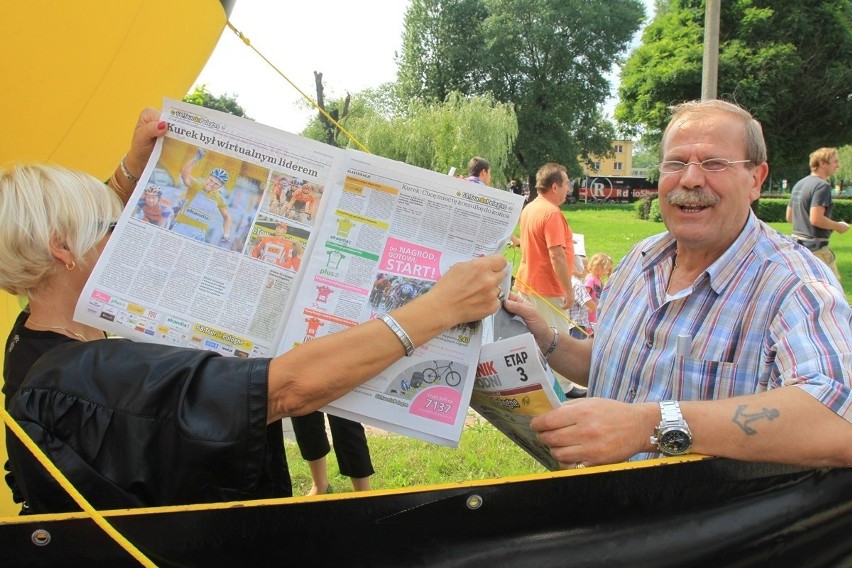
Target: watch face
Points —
{"points": [[675, 441]]}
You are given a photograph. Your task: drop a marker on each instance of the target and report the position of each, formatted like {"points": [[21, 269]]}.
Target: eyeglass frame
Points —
{"points": [[728, 164]]}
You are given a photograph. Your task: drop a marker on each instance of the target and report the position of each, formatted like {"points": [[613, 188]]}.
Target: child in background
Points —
{"points": [[583, 303], [599, 268]]}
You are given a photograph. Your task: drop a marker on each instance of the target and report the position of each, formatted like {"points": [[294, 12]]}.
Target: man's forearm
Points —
{"points": [[784, 425], [560, 268]]}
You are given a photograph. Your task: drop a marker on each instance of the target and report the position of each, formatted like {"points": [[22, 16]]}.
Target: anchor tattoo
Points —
{"points": [[742, 419]]}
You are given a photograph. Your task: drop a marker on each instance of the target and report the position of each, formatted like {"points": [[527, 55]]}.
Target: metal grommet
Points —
{"points": [[40, 537], [474, 502]]}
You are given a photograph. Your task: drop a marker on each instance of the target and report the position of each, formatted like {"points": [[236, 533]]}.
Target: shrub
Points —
{"points": [[654, 212], [772, 209], [769, 209], [643, 207], [842, 210]]}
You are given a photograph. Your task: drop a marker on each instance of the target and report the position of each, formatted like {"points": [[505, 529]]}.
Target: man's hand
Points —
{"points": [[595, 431]]}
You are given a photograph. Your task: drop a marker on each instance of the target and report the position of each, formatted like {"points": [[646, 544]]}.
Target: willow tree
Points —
{"points": [[433, 135]]}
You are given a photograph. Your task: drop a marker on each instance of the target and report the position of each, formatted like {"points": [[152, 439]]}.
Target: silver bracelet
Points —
{"points": [[404, 338], [553, 343], [130, 177]]}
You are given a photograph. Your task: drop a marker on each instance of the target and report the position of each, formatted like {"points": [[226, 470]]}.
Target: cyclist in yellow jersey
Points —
{"points": [[202, 202]]}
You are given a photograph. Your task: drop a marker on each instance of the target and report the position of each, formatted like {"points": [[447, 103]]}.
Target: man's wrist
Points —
{"points": [[649, 413]]}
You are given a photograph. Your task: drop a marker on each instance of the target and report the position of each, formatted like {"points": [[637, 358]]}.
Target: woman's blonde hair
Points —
{"points": [[42, 205]]}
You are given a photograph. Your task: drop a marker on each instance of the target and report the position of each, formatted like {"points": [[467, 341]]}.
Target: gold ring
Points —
{"points": [[579, 466]]}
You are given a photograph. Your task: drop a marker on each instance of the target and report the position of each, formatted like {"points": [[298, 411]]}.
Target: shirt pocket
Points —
{"points": [[699, 379]]}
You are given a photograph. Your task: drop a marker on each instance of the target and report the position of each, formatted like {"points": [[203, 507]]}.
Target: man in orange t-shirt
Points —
{"points": [[547, 251]]}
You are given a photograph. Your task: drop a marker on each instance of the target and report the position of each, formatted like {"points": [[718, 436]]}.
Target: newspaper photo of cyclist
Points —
{"points": [[213, 196], [390, 291], [275, 242], [292, 198]]}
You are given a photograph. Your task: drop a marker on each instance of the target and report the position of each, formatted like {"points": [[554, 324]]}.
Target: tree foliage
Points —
{"points": [[442, 49], [201, 96], [843, 175], [432, 135], [787, 61], [547, 58]]}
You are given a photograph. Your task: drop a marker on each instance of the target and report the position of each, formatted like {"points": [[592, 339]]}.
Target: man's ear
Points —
{"points": [[758, 176]]}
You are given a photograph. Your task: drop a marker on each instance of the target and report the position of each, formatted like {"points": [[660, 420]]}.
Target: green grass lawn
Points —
{"points": [[400, 461], [484, 453], [613, 229]]}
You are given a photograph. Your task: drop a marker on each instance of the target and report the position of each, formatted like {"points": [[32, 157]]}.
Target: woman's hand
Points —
{"points": [[468, 291], [148, 129]]}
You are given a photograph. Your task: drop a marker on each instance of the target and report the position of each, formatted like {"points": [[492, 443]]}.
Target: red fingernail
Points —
{"points": [[161, 125]]}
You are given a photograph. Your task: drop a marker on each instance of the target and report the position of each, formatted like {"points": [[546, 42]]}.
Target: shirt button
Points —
{"points": [[649, 344]]}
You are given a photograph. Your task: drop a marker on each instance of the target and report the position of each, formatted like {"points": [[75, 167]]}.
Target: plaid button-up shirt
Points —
{"points": [[766, 314]]}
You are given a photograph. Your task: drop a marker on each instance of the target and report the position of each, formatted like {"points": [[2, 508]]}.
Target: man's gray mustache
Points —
{"points": [[692, 198]]}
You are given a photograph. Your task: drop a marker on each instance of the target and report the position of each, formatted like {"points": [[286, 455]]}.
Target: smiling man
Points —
{"points": [[720, 336]]}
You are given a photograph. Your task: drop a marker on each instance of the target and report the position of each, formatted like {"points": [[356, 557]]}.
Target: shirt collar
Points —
{"points": [[722, 271]]}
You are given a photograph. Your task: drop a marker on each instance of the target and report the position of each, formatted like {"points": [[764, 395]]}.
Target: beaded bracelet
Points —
{"points": [[553, 343], [403, 336], [130, 177]]}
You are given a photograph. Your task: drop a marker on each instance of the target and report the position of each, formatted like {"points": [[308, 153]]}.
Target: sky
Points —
{"points": [[353, 44]]}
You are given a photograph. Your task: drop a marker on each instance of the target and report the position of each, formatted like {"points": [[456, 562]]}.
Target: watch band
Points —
{"points": [[670, 414]]}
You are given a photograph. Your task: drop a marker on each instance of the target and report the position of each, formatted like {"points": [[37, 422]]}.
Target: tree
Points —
{"points": [[787, 61], [432, 135], [843, 175], [336, 112], [547, 58], [226, 103], [442, 49], [646, 157]]}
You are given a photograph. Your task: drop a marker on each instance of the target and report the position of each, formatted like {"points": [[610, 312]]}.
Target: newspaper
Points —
{"points": [[513, 384], [301, 240]]}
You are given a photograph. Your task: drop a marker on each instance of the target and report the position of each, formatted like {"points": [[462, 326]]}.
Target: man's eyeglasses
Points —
{"points": [[711, 165]]}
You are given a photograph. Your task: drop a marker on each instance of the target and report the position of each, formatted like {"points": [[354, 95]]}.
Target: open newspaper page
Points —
{"points": [[206, 252], [513, 384], [248, 241], [390, 232]]}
